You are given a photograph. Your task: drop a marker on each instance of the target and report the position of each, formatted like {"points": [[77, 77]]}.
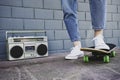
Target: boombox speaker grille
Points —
{"points": [[16, 52], [42, 49]]}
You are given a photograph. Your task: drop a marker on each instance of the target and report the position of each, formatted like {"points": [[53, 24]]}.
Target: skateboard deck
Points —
{"points": [[105, 53]]}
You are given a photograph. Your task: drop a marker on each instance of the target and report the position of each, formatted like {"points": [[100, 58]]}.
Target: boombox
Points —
{"points": [[27, 47]]}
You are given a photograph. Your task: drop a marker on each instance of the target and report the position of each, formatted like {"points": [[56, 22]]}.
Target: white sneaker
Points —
{"points": [[99, 43], [75, 53]]}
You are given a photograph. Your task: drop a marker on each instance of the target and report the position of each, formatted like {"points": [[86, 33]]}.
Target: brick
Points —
{"points": [[64, 27], [116, 33], [119, 43], [109, 17], [5, 11], [90, 33], [2, 49], [53, 24], [52, 4], [88, 16], [61, 34], [109, 1], [11, 2], [105, 39], [68, 44], [108, 33], [19, 12], [2, 35], [119, 25], [43, 14], [50, 34], [119, 9], [112, 8], [33, 3], [116, 17], [111, 25], [58, 14], [55, 45], [86, 1], [7, 23], [3, 56], [112, 40], [82, 33], [81, 15], [80, 0], [83, 7], [88, 42], [85, 25], [33, 24], [83, 43], [116, 2]]}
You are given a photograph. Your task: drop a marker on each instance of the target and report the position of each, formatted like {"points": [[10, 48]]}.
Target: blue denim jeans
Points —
{"points": [[98, 16]]}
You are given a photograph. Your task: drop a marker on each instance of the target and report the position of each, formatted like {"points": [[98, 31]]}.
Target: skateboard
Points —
{"points": [[104, 53]]}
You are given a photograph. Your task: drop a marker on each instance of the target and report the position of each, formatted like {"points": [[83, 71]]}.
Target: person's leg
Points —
{"points": [[98, 32], [98, 13], [98, 17], [70, 19]]}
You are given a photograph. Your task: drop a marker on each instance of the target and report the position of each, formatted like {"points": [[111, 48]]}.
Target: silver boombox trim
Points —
{"points": [[27, 46]]}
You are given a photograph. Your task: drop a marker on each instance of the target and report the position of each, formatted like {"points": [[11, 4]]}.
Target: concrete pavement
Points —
{"points": [[55, 67]]}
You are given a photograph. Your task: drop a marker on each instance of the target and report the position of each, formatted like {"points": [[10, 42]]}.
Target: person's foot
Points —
{"points": [[99, 43], [75, 53]]}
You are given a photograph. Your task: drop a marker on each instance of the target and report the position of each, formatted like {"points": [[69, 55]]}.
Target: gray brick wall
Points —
{"points": [[47, 15]]}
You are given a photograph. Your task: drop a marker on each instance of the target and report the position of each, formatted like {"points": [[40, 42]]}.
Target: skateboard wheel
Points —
{"points": [[86, 59], [106, 59], [113, 53]]}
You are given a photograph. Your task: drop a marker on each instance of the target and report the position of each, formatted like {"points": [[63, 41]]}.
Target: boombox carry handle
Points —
{"points": [[24, 31]]}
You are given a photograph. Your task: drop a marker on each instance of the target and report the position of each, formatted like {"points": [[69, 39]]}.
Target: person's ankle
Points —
{"points": [[100, 43], [77, 44], [98, 36]]}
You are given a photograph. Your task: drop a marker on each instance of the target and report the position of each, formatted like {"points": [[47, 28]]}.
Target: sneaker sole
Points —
{"points": [[72, 58]]}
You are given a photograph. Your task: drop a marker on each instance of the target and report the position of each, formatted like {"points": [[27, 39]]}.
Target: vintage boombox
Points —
{"points": [[27, 46]]}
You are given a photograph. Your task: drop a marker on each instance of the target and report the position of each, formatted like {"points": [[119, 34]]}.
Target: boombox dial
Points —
{"points": [[16, 52], [42, 49]]}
